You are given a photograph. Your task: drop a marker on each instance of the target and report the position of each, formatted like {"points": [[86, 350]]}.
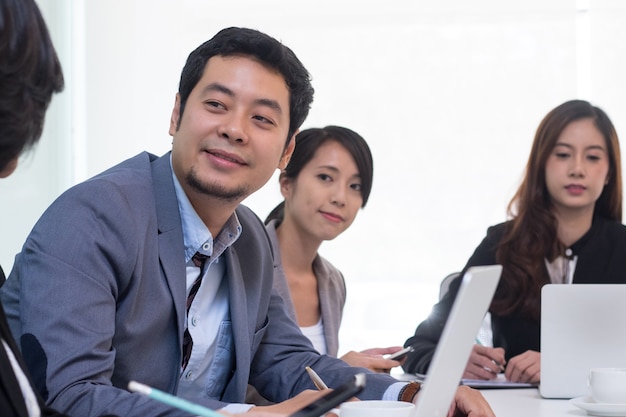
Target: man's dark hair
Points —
{"points": [[262, 48]]}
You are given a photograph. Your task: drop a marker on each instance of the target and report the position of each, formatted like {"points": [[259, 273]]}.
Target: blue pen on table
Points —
{"points": [[172, 400]]}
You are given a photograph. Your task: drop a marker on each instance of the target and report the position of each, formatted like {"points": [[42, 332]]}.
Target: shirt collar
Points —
{"points": [[196, 236]]}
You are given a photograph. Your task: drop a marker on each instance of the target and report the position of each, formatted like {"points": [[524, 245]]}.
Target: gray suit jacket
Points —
{"points": [[331, 290], [96, 298]]}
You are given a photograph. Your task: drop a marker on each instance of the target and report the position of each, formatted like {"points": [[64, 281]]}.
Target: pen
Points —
{"points": [[172, 400], [316, 379], [478, 342]]}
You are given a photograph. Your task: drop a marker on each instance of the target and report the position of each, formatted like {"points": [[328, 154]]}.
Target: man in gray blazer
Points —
{"points": [[99, 295]]}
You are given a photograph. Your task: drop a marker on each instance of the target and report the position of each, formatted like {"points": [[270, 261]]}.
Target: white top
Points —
{"points": [[315, 334], [561, 270]]}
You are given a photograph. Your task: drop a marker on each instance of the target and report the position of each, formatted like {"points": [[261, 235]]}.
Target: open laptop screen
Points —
{"points": [[583, 326], [458, 337]]}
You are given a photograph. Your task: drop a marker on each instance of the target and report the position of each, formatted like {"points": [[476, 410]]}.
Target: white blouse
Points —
{"points": [[315, 334]]}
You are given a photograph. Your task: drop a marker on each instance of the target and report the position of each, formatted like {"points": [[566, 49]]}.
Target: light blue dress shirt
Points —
{"points": [[208, 319]]}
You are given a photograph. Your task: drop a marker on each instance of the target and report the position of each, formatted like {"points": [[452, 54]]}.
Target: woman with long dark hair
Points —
{"points": [[565, 227]]}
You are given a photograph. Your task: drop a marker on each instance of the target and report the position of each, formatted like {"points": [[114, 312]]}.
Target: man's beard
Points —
{"points": [[215, 190]]}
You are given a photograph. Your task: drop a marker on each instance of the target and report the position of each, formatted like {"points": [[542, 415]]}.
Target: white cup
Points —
{"points": [[608, 385], [377, 408]]}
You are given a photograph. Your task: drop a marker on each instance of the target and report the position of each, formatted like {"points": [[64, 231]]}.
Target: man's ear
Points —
{"points": [[284, 184], [175, 118], [284, 160]]}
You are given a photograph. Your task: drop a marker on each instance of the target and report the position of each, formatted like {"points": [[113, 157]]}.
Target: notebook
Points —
{"points": [[458, 337], [583, 326]]}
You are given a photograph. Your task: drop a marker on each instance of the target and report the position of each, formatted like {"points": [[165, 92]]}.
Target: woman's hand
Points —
{"points": [[525, 368], [484, 363], [373, 359]]}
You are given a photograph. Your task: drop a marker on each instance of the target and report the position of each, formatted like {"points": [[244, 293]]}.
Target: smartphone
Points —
{"points": [[331, 400], [399, 355]]}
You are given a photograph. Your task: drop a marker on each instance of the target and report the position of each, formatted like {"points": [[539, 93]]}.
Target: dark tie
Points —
{"points": [[198, 260]]}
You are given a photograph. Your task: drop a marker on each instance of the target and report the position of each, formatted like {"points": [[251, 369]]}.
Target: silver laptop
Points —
{"points": [[458, 337], [582, 326]]}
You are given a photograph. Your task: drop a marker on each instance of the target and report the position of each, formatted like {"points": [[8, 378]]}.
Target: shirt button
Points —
{"points": [[194, 320], [206, 246], [189, 375]]}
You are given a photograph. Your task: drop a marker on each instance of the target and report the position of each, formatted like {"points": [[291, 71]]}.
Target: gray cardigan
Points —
{"points": [[331, 289]]}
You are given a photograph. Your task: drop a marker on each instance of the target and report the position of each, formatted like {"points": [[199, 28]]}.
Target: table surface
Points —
{"points": [[526, 402]]}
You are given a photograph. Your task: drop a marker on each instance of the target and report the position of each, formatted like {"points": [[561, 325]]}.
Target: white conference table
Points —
{"points": [[526, 402]]}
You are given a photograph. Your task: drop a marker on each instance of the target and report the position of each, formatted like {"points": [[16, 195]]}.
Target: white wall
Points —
{"points": [[448, 95]]}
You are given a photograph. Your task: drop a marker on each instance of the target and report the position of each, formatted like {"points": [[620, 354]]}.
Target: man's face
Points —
{"points": [[233, 130]]}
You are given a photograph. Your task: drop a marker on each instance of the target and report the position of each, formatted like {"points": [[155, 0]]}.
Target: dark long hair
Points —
{"points": [[309, 141], [532, 233], [30, 73]]}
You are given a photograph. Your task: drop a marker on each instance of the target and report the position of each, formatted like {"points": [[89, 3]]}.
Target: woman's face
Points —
{"points": [[578, 168], [325, 197]]}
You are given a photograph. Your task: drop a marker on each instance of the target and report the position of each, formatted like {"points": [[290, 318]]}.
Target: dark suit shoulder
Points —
{"points": [[485, 252], [246, 215], [126, 169], [613, 229], [496, 231]]}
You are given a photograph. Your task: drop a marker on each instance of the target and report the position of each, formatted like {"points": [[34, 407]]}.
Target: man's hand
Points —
{"points": [[289, 406], [470, 403]]}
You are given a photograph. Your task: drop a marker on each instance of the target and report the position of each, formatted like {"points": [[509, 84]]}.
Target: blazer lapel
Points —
{"points": [[249, 269], [242, 332], [171, 252]]}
